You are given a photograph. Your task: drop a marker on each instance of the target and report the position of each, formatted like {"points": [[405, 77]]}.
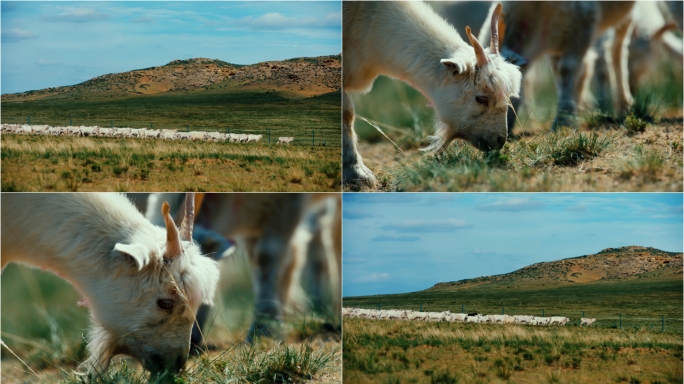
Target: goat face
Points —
{"points": [[472, 101], [147, 308], [473, 104]]}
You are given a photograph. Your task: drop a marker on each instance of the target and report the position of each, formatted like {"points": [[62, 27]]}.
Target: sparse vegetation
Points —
{"points": [[104, 164], [487, 353], [635, 293], [146, 165], [591, 158], [47, 335]]}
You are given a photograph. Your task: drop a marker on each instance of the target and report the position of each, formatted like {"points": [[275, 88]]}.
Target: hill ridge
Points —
{"points": [[308, 76], [610, 263]]}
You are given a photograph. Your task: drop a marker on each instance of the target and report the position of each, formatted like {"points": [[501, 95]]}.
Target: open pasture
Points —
{"points": [[642, 152], [55, 163], [637, 350], [47, 333], [641, 301], [235, 111], [417, 352]]}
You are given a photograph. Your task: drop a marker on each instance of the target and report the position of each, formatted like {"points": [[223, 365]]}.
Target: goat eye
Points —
{"points": [[165, 304], [482, 99]]}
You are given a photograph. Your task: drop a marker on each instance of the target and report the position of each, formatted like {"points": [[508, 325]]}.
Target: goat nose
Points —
{"points": [[500, 141], [180, 362], [156, 361]]}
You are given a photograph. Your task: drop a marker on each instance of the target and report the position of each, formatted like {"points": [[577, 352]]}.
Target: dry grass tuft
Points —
{"points": [[106, 164]]}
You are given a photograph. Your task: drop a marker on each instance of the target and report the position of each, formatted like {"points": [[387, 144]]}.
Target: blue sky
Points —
{"points": [[47, 44], [397, 243]]}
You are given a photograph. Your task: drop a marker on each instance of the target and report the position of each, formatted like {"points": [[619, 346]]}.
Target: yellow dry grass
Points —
{"points": [[378, 351], [97, 164]]}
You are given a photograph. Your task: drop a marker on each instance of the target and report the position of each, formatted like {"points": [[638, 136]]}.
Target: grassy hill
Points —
{"points": [[641, 284], [610, 263], [298, 98], [306, 76], [290, 98]]}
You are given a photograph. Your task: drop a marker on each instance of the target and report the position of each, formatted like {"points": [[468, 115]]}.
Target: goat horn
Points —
{"points": [[482, 59], [189, 218], [494, 40], [173, 244]]}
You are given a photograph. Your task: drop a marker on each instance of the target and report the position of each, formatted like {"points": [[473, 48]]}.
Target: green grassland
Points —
{"points": [[641, 300], [636, 350], [639, 152], [106, 164], [211, 109], [44, 327]]}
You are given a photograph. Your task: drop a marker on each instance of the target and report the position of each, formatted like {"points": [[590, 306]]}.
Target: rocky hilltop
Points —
{"points": [[610, 263], [306, 76]]}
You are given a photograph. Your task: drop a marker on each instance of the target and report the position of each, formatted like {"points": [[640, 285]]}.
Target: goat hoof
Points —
{"points": [[262, 330], [563, 121], [359, 175]]}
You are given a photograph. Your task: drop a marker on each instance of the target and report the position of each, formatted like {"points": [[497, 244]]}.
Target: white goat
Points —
{"points": [[650, 42], [285, 140], [565, 31], [470, 89], [285, 235], [143, 283], [587, 321]]}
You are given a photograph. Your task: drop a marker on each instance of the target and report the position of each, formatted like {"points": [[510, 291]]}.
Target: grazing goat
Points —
{"points": [[650, 42], [469, 87], [587, 321], [285, 140], [143, 283], [565, 30], [285, 236]]}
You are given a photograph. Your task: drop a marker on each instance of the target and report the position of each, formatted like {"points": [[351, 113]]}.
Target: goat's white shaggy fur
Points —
{"points": [[410, 42], [119, 262]]}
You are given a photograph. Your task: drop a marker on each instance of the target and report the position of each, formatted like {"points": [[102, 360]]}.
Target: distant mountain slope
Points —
{"points": [[308, 76], [610, 263]]}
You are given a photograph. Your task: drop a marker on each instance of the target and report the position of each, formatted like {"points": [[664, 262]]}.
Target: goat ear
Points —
{"points": [[502, 30], [135, 255], [454, 66]]}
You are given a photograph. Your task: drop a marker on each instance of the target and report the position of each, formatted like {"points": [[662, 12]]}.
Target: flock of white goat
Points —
{"points": [[141, 133], [407, 314]]}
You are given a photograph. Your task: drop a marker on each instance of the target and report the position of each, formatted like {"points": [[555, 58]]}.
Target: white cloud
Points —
{"points": [[357, 214], [45, 63], [484, 252], [142, 20], [372, 278], [16, 34], [78, 15], [406, 239], [577, 208], [412, 226], [515, 204], [276, 21]]}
